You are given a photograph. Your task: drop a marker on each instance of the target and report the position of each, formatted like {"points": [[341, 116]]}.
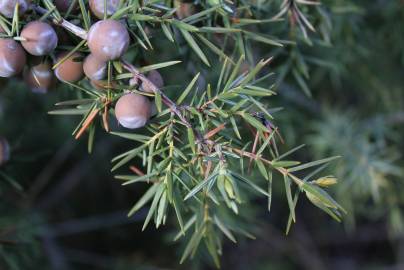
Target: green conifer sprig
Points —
{"points": [[194, 157], [205, 154]]}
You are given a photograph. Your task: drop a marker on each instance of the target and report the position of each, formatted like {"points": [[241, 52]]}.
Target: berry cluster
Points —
{"points": [[42, 43]]}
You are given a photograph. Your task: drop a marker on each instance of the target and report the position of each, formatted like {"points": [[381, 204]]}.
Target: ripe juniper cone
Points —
{"points": [[7, 7], [98, 7], [133, 110], [108, 40], [71, 69], [39, 78], [12, 57], [94, 68], [39, 38]]}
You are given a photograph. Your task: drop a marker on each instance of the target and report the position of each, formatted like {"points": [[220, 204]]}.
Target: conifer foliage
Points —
{"points": [[204, 148]]}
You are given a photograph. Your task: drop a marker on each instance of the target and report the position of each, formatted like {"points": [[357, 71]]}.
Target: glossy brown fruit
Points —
{"points": [[12, 58], [94, 68], [39, 38], [4, 151], [71, 69], [7, 7], [133, 110], [39, 78], [97, 7], [108, 40]]}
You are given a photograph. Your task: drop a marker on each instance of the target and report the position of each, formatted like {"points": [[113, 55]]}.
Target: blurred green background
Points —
{"points": [[61, 209]]}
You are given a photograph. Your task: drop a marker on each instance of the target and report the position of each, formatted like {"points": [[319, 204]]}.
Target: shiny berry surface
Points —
{"points": [[94, 68], [39, 78], [71, 69], [108, 40], [39, 38], [98, 7], [133, 110], [12, 57], [7, 7]]}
